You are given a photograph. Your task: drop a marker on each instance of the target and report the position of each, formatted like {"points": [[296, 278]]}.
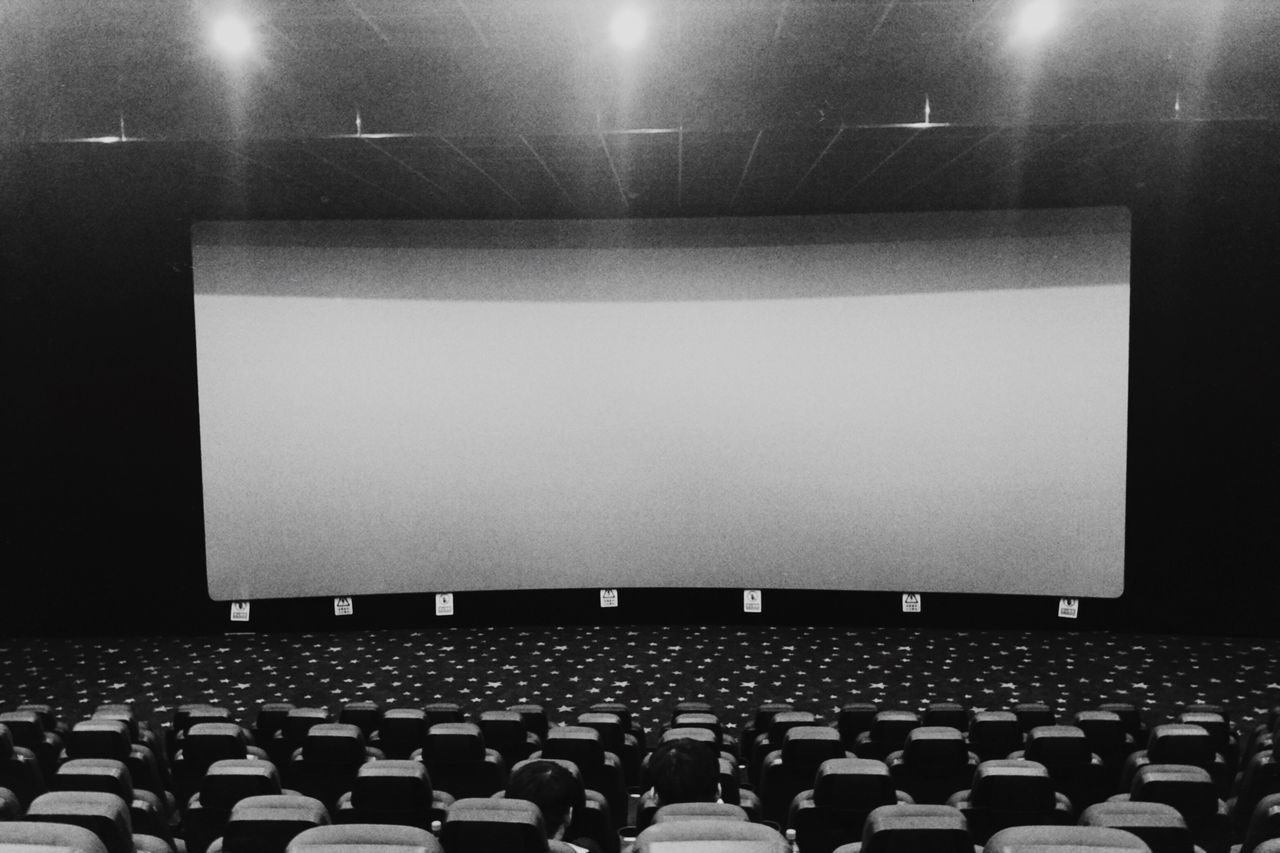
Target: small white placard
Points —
{"points": [[444, 604], [342, 606], [608, 598], [239, 611], [911, 602], [751, 601], [1068, 608]]}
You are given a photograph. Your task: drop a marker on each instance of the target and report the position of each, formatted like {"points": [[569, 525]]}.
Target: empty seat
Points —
{"points": [[698, 811], [771, 740], [914, 828], [364, 838], [845, 791], [35, 837], [191, 714], [1011, 793], [364, 715], [1064, 839], [27, 730], [443, 712], [725, 834], [1264, 824], [616, 739], [105, 815], [392, 791], [326, 766], [202, 745], [758, 726], [19, 770], [1107, 739], [1131, 719], [854, 719], [1191, 791], [108, 737], [994, 735], [629, 721], [1180, 743], [1159, 826], [535, 719], [888, 733], [1076, 771], [505, 732], [951, 714], [459, 764], [1033, 714], [148, 813], [1260, 778], [933, 764], [794, 767], [403, 732], [477, 825], [224, 785], [266, 824]]}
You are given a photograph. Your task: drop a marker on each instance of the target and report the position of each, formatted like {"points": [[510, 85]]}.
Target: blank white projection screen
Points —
{"points": [[900, 402]]}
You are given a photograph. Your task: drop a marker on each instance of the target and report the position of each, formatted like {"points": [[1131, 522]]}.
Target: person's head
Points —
{"points": [[549, 786], [685, 771]]}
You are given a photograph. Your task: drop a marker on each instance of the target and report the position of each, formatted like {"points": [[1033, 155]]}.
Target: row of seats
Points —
{"points": [[777, 760], [97, 823]]}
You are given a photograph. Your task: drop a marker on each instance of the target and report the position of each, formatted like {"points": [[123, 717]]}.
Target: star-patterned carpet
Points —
{"points": [[649, 668]]}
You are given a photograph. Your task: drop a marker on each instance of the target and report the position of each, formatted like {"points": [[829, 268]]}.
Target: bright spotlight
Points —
{"points": [[627, 27], [1037, 19], [232, 35]]}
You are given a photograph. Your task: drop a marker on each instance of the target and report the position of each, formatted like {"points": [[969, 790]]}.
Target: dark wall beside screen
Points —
{"points": [[103, 517]]}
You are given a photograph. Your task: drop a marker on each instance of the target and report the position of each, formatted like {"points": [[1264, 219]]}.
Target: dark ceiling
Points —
{"points": [[523, 109]]}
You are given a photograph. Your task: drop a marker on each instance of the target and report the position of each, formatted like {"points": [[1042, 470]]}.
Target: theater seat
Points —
{"points": [[913, 829], [771, 740], [267, 824], [854, 719], [148, 813], [27, 729], [109, 738], [365, 838], [844, 793], [738, 836], [616, 739], [1064, 839], [601, 770], [505, 732], [1159, 826], [887, 735], [699, 811], [758, 726], [535, 719], [1107, 739], [364, 715], [202, 745], [1264, 824], [392, 791], [794, 767], [459, 764], [1180, 743], [1011, 793], [1076, 771], [933, 764], [105, 815], [1260, 778], [1191, 791], [37, 837], [485, 825], [19, 770], [225, 784], [1033, 715], [993, 735], [326, 765], [403, 732]]}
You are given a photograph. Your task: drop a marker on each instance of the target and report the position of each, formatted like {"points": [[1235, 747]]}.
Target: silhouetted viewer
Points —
{"points": [[685, 771], [554, 791]]}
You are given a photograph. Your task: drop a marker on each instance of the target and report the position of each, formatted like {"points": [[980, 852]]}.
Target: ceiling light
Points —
{"points": [[1037, 19], [627, 27], [232, 35]]}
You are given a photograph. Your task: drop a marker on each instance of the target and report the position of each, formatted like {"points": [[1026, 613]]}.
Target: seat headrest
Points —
{"points": [[26, 727], [811, 745], [366, 715], [1188, 789], [1053, 744], [187, 716], [300, 720], [853, 783], [391, 785], [697, 720], [53, 837], [271, 717], [766, 711], [1180, 743], [334, 743], [935, 745], [231, 780], [106, 815], [1145, 820], [1212, 722], [534, 716], [697, 733], [105, 775], [893, 722], [906, 827], [740, 835], [99, 738], [1101, 727], [623, 712], [208, 742], [578, 744], [454, 743], [264, 822], [510, 825], [948, 714], [1020, 786], [608, 725], [443, 712], [784, 720], [365, 838], [280, 806], [699, 811], [1064, 839]]}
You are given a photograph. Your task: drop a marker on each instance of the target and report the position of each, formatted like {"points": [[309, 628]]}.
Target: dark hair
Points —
{"points": [[685, 771], [550, 787]]}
